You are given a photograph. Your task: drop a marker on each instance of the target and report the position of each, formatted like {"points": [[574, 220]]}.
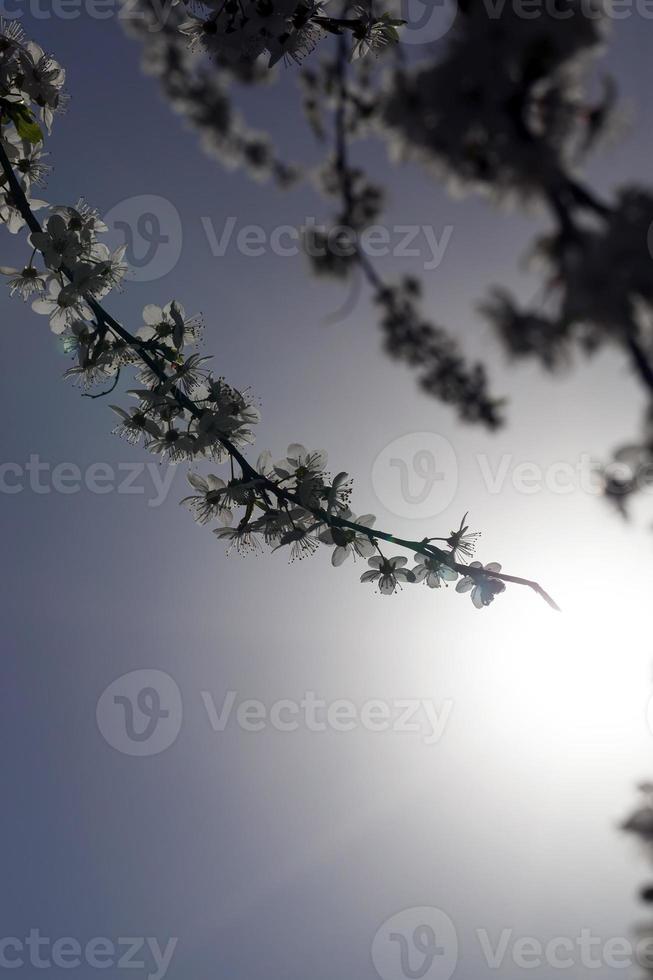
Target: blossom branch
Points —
{"points": [[408, 336], [310, 507]]}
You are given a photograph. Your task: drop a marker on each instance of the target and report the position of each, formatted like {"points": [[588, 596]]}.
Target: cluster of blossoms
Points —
{"points": [[235, 36], [598, 292], [500, 107], [585, 307], [502, 112], [183, 411], [242, 30], [76, 270], [201, 95], [408, 335], [28, 78]]}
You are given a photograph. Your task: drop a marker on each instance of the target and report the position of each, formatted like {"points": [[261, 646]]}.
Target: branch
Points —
{"points": [[640, 359], [324, 516], [408, 335]]}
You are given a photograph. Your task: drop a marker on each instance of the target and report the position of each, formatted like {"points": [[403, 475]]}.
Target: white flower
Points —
{"points": [[161, 404], [135, 424], [227, 400], [243, 538], [96, 279], [26, 158], [174, 444], [83, 220], [264, 465], [25, 282], [297, 42], [272, 525], [10, 215], [347, 541], [299, 461], [339, 494], [188, 374], [170, 324], [373, 34], [434, 573], [62, 304], [215, 426], [483, 587], [462, 541], [210, 501], [59, 246], [42, 78], [229, 417], [109, 270], [306, 469], [302, 541], [389, 572]]}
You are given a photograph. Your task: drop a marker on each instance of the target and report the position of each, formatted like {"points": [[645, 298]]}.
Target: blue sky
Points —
{"points": [[282, 853]]}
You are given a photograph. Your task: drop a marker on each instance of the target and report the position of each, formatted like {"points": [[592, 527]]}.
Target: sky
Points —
{"points": [[474, 790]]}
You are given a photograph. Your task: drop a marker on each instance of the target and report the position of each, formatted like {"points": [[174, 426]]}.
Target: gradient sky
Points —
{"points": [[279, 855]]}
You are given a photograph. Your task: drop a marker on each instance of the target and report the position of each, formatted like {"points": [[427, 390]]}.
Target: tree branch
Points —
{"points": [[324, 516]]}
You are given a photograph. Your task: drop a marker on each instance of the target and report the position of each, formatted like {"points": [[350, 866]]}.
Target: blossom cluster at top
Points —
{"points": [[242, 30]]}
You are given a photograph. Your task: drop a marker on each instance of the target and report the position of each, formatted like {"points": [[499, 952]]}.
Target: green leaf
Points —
{"points": [[25, 123]]}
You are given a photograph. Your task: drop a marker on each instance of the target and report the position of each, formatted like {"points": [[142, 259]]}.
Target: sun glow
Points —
{"points": [[576, 684]]}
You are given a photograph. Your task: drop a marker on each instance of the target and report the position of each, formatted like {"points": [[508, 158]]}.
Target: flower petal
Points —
{"points": [[339, 556]]}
